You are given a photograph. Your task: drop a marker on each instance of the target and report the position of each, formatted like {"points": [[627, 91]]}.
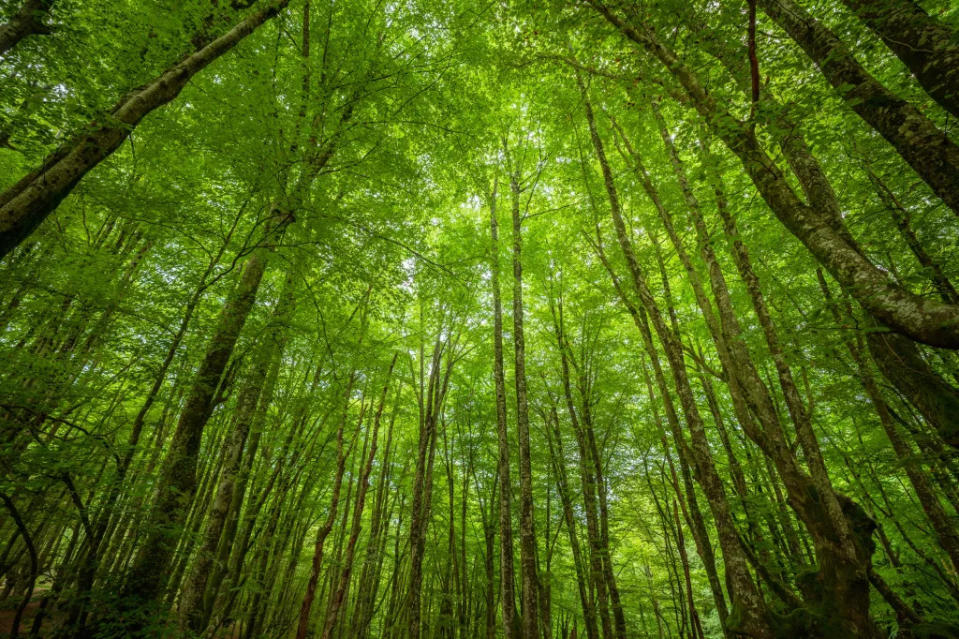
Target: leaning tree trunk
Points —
{"points": [[900, 362], [927, 47], [27, 21], [27, 203], [194, 614], [926, 148], [177, 481]]}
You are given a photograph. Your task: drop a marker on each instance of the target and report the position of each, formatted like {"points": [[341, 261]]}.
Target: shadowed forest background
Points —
{"points": [[436, 319]]}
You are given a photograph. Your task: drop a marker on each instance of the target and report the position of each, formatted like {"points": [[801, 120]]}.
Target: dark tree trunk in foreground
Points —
{"points": [[929, 48]]}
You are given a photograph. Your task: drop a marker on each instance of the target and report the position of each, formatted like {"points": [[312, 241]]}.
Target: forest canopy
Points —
{"points": [[454, 319]]}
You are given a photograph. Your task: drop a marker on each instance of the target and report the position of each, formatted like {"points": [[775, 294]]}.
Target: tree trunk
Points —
{"points": [[927, 47], [194, 613], [27, 21], [507, 579], [435, 389], [303, 625], [527, 533], [926, 148], [27, 203], [339, 593]]}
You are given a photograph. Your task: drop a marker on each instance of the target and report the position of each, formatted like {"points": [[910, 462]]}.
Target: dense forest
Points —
{"points": [[454, 319]]}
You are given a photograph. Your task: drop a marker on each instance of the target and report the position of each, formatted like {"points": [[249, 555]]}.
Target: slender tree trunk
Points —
{"points": [[194, 614], [588, 481], [686, 458], [344, 579], [306, 606], [435, 389], [507, 580], [562, 485], [527, 532]]}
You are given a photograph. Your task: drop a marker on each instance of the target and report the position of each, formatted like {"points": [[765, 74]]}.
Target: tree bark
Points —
{"points": [[527, 533], [27, 21], [507, 579], [927, 47]]}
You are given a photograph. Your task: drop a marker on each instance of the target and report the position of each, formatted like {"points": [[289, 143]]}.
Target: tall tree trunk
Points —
{"points": [[527, 532], [686, 458], [339, 592], [435, 388], [562, 485], [306, 606], [588, 482], [507, 579]]}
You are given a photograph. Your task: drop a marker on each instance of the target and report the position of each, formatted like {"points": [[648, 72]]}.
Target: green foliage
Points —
{"points": [[424, 111]]}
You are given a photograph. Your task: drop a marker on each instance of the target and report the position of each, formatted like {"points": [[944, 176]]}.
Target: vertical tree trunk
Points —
{"points": [[507, 580], [341, 588], [527, 532], [435, 388], [562, 485], [303, 624]]}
